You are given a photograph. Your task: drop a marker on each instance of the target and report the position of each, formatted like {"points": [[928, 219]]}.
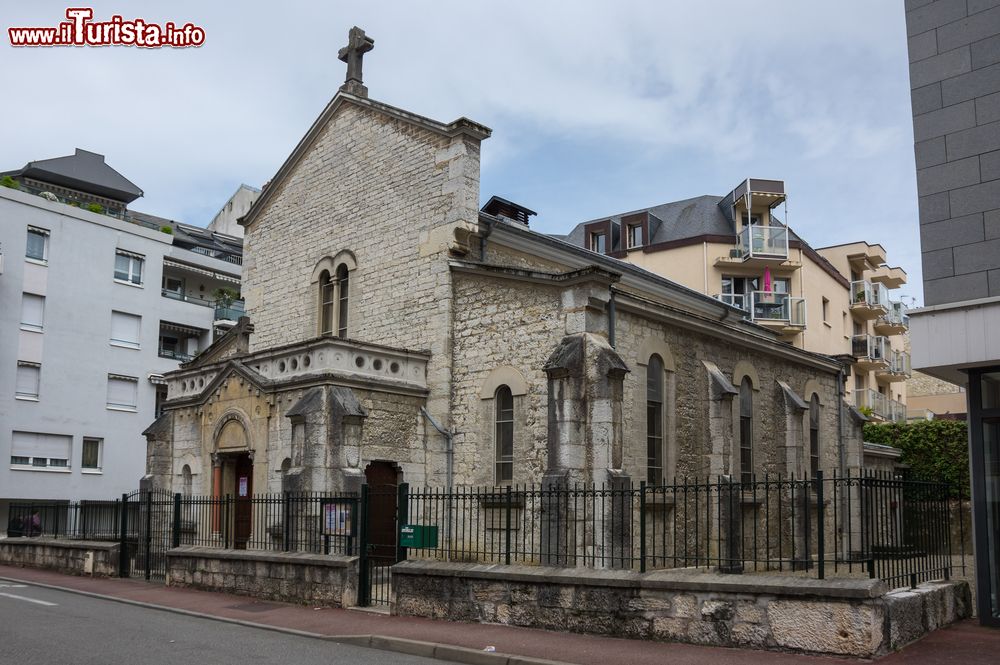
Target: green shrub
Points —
{"points": [[169, 230], [935, 450], [7, 181], [95, 207]]}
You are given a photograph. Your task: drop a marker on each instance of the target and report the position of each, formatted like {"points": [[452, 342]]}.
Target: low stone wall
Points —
{"points": [[849, 617], [76, 557], [291, 577]]}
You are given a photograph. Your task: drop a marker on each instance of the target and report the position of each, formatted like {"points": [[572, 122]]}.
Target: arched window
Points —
{"points": [[342, 293], [327, 294], [286, 465], [504, 442], [186, 480], [746, 430], [654, 420], [814, 434]]}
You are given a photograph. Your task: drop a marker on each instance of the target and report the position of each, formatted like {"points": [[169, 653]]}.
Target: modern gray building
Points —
{"points": [[954, 49], [96, 303]]}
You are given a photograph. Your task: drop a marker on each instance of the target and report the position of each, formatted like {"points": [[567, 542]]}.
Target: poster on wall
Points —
{"points": [[243, 485]]}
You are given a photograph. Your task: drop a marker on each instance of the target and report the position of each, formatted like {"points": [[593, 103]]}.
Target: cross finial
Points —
{"points": [[357, 45]]}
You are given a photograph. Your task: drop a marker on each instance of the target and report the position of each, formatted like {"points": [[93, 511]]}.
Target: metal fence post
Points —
{"points": [[123, 531], [176, 539], [507, 528], [363, 587], [286, 520], [225, 523], [148, 540], [642, 526], [403, 515], [820, 526]]}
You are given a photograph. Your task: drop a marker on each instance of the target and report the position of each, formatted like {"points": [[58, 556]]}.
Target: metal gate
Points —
{"points": [[383, 511], [145, 533]]}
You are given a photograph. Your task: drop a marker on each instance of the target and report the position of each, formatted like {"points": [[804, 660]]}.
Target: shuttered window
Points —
{"points": [[123, 392], [28, 376], [40, 450], [32, 312], [125, 329]]}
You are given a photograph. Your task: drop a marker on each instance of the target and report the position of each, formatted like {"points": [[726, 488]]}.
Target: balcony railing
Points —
{"points": [[782, 307], [765, 242], [896, 318], [870, 348], [176, 355], [231, 312], [869, 295], [872, 402], [734, 299], [896, 411], [183, 297], [900, 363]]}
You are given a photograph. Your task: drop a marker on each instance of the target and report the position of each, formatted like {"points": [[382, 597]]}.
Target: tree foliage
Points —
{"points": [[936, 450]]}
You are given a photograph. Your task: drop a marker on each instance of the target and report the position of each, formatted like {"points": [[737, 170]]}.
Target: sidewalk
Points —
{"points": [[965, 643]]}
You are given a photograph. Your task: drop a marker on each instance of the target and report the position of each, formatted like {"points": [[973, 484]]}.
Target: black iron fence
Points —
{"points": [[872, 524]]}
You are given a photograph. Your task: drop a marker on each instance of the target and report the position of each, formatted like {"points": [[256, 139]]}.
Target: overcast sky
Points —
{"points": [[596, 107]]}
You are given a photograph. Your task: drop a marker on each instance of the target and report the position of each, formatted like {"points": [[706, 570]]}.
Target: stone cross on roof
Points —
{"points": [[357, 45]]}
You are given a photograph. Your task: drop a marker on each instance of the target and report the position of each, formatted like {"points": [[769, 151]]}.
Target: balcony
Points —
{"points": [[762, 245], [777, 311], [896, 411], [869, 301], [872, 403], [871, 352], [898, 368], [174, 354], [183, 297], [227, 314], [895, 321]]}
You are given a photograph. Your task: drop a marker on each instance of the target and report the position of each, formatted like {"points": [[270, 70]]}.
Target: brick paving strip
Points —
{"points": [[965, 643]]}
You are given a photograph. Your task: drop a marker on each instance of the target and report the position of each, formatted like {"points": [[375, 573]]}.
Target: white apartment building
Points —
{"points": [[94, 308]]}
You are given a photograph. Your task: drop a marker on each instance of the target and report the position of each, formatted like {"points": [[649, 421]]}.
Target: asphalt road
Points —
{"points": [[48, 627]]}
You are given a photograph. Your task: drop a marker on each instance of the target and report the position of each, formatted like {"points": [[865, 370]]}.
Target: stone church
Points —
{"points": [[396, 332]]}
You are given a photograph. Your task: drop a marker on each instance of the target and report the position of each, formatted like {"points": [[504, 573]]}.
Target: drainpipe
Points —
{"points": [[482, 242], [840, 421], [611, 318], [449, 447]]}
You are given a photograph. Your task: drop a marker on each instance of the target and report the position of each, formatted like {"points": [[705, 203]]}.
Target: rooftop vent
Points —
{"points": [[499, 207]]}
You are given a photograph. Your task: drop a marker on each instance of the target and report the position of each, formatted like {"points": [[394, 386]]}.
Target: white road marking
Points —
{"points": [[13, 586], [30, 600]]}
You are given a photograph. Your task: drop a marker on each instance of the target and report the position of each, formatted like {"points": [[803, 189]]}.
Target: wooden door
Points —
{"points": [[243, 522], [383, 480]]}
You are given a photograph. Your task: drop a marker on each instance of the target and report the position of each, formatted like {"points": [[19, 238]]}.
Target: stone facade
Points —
{"points": [[329, 581], [445, 304], [848, 617]]}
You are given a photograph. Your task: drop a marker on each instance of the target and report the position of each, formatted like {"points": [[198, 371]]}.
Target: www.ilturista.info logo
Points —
{"points": [[80, 30]]}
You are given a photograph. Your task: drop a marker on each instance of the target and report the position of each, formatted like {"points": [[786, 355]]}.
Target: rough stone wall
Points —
{"points": [[293, 578], [921, 384], [99, 559], [391, 193], [840, 617], [500, 322]]}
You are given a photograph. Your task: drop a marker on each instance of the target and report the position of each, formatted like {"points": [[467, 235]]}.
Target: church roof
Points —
{"points": [[83, 171]]}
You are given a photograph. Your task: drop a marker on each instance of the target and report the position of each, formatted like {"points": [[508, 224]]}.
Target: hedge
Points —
{"points": [[936, 450]]}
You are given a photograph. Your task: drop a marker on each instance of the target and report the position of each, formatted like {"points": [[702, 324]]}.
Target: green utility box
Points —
{"points": [[416, 535]]}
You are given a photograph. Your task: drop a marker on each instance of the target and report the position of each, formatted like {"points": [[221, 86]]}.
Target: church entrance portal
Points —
{"points": [[243, 491]]}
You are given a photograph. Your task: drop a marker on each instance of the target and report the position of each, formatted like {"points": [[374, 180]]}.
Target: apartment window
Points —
{"points": [[826, 310], [125, 329], [40, 451], [128, 267], [123, 392], [173, 288], [635, 235], [342, 292], [746, 430], [504, 440], [38, 245], [751, 220], [654, 421], [814, 435], [32, 312], [599, 243], [28, 377], [91, 456]]}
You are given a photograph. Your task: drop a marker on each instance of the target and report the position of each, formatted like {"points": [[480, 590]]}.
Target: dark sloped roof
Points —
{"points": [[689, 218], [187, 236], [84, 171]]}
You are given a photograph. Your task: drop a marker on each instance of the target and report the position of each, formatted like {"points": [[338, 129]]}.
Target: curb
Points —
{"points": [[448, 652]]}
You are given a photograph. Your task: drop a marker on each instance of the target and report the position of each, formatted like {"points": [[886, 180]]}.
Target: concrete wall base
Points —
{"points": [[76, 557], [329, 581], [846, 617]]}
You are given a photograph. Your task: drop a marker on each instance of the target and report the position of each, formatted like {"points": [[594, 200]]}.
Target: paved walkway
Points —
{"points": [[965, 643]]}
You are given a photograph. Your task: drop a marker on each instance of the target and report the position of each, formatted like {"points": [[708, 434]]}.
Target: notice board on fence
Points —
{"points": [[338, 518]]}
